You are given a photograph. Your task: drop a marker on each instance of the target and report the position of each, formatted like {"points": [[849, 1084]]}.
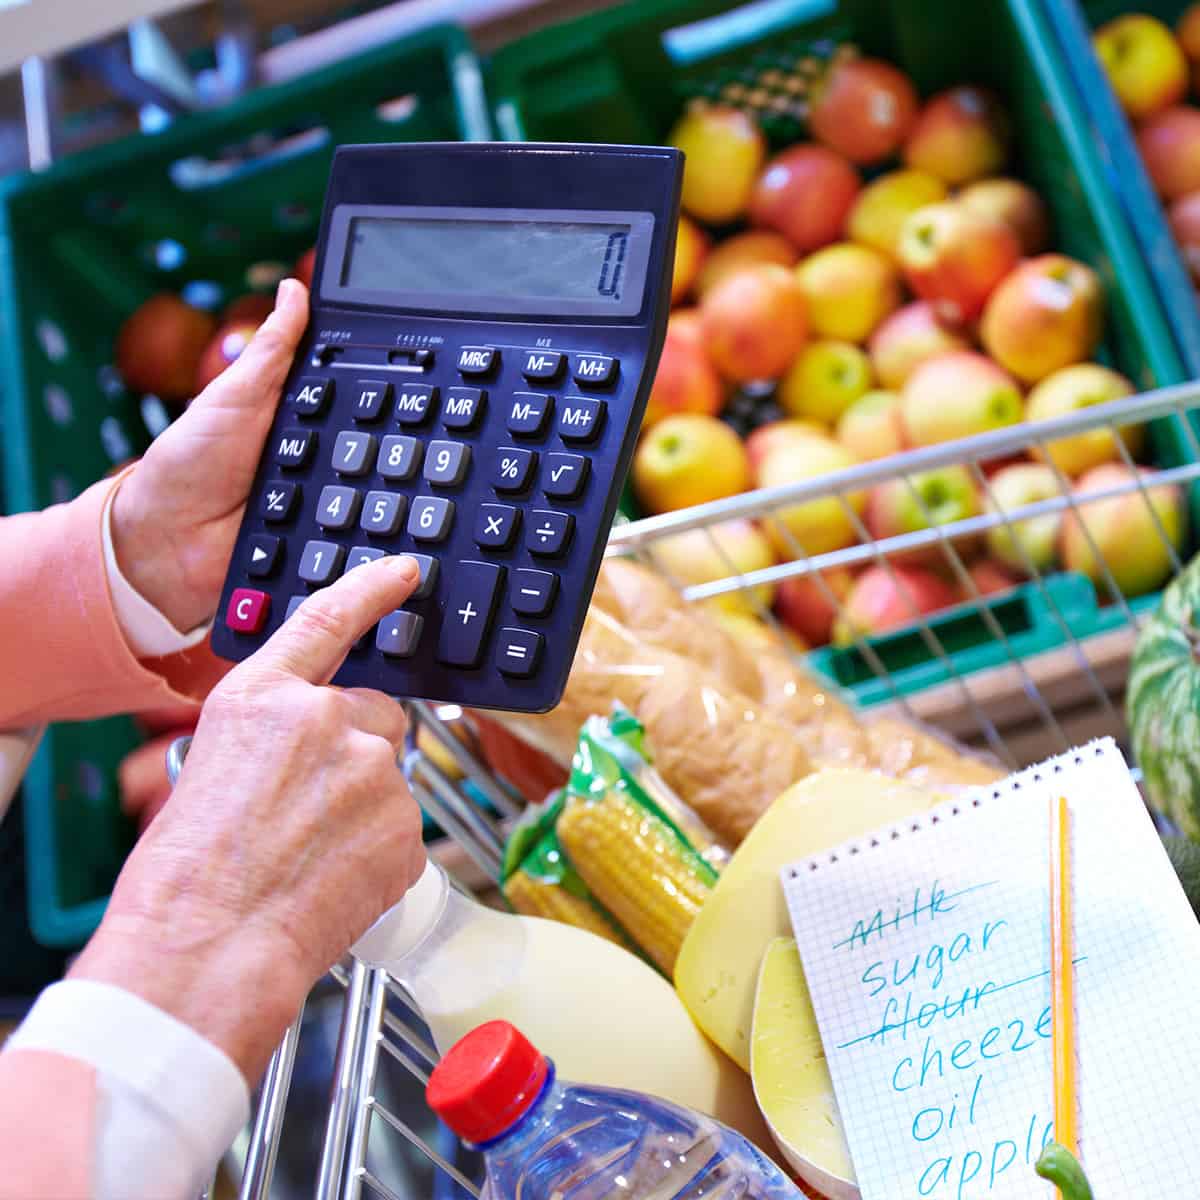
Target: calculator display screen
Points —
{"points": [[495, 261]]}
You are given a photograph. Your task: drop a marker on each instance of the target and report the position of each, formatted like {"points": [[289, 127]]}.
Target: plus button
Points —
{"points": [[467, 613]]}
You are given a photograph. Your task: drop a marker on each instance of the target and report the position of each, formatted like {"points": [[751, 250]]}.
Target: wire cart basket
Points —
{"points": [[1020, 687]]}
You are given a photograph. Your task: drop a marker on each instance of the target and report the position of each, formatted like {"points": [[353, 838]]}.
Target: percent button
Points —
{"points": [[513, 469]]}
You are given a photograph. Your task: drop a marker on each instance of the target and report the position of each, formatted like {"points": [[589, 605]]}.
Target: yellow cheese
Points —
{"points": [[717, 969]]}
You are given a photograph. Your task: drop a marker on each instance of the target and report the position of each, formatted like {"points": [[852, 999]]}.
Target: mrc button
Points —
{"points": [[593, 370], [477, 360]]}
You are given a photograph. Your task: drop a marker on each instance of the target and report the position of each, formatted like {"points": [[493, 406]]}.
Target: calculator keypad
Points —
{"points": [[372, 396], [353, 452], [496, 525], [383, 513], [399, 457], [321, 562], [430, 518], [463, 407], [293, 447], [446, 463], [337, 507]]}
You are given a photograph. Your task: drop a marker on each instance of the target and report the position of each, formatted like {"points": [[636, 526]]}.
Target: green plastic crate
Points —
{"points": [[624, 75], [212, 201]]}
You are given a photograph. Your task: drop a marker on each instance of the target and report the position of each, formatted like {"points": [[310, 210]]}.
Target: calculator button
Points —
{"points": [[399, 457], [541, 365], [361, 555], [468, 614], [370, 397], [337, 507], [429, 573], [446, 463], [496, 525], [413, 401], [593, 370], [293, 604], [353, 453], [563, 475], [278, 500], [528, 412], [474, 361], [518, 652], [311, 396], [262, 554], [383, 513], [580, 418], [429, 518], [248, 610], [399, 633], [513, 470], [294, 447], [549, 533], [532, 593], [320, 562], [463, 407]]}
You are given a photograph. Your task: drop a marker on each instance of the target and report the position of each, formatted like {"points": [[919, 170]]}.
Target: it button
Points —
{"points": [[248, 609]]}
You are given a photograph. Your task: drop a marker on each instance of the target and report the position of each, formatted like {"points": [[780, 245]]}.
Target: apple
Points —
{"points": [[1170, 146], [806, 194], [824, 380], [954, 257], [755, 322], [745, 249], [1029, 544], [691, 247], [715, 552], [160, 345], [989, 578], [863, 108], [957, 395], [688, 459], [884, 204], [1184, 218], [685, 381], [960, 135], [849, 289], [808, 606], [1072, 389], [1187, 31], [906, 339], [685, 323], [1014, 203], [1144, 63], [768, 438], [1048, 314], [814, 526], [224, 350], [1124, 530], [724, 151], [886, 598], [923, 500], [871, 427], [252, 308], [306, 264]]}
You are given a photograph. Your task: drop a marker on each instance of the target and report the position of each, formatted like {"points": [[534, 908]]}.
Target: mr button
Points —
{"points": [[248, 609]]}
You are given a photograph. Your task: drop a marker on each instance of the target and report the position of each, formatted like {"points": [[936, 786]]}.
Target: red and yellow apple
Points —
{"points": [[960, 135], [685, 382], [691, 247], [755, 322], [1070, 390], [766, 439], [1144, 63], [1126, 529], [871, 427], [1170, 146], [848, 289], [225, 349], [721, 551], [1184, 218], [1014, 203], [954, 257], [688, 459], [306, 264], [1187, 32], [747, 249], [910, 336], [253, 308], [825, 378], [989, 578], [1028, 544], [863, 108], [886, 203], [1047, 314], [160, 346], [957, 395], [808, 605], [805, 193], [921, 501], [887, 598], [724, 151]]}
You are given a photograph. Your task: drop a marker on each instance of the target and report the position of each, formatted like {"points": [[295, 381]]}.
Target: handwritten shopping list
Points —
{"points": [[926, 950]]}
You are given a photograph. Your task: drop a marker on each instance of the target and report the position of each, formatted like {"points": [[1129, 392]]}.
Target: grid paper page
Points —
{"points": [[926, 950]]}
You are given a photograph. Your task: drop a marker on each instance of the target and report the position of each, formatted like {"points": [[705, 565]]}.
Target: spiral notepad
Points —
{"points": [[926, 949]]}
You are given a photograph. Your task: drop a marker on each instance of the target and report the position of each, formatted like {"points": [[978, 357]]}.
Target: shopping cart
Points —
{"points": [[1025, 687]]}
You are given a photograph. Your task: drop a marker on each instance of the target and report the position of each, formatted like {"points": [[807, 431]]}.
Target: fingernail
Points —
{"points": [[284, 291], [406, 567]]}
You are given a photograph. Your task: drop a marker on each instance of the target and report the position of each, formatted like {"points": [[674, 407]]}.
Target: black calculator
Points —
{"points": [[486, 322]]}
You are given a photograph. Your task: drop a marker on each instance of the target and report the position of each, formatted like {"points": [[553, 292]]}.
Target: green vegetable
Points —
{"points": [[1185, 858], [1057, 1164]]}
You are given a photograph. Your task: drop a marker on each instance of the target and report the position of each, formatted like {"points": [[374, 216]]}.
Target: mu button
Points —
{"points": [[248, 609]]}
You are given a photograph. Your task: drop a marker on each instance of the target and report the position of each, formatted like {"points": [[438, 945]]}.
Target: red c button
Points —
{"points": [[248, 609]]}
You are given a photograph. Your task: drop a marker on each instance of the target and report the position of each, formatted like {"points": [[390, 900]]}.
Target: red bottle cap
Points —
{"points": [[487, 1082]]}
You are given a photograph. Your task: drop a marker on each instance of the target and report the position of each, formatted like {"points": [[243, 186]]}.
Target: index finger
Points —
{"points": [[319, 635]]}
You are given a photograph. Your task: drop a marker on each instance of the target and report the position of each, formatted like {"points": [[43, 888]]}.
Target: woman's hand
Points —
{"points": [[290, 831], [175, 517]]}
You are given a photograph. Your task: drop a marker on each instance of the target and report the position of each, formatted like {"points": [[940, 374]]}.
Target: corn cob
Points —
{"points": [[638, 868], [544, 898]]}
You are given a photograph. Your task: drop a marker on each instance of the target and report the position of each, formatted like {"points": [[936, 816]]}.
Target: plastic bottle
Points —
{"points": [[546, 1139], [601, 1013]]}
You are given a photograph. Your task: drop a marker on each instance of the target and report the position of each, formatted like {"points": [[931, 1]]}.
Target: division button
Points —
{"points": [[548, 533]]}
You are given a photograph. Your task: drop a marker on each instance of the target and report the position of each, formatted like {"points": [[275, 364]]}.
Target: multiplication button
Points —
{"points": [[518, 652], [496, 526]]}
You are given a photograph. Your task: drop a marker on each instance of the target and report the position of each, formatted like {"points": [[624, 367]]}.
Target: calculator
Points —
{"points": [[486, 320]]}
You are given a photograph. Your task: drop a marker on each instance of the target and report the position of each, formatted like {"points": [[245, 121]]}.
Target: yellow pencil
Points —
{"points": [[1062, 975]]}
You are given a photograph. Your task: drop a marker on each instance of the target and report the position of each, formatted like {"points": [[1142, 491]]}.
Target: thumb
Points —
{"points": [[313, 644]]}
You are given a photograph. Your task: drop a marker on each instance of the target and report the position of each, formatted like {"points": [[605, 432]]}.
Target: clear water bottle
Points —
{"points": [[545, 1139]]}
